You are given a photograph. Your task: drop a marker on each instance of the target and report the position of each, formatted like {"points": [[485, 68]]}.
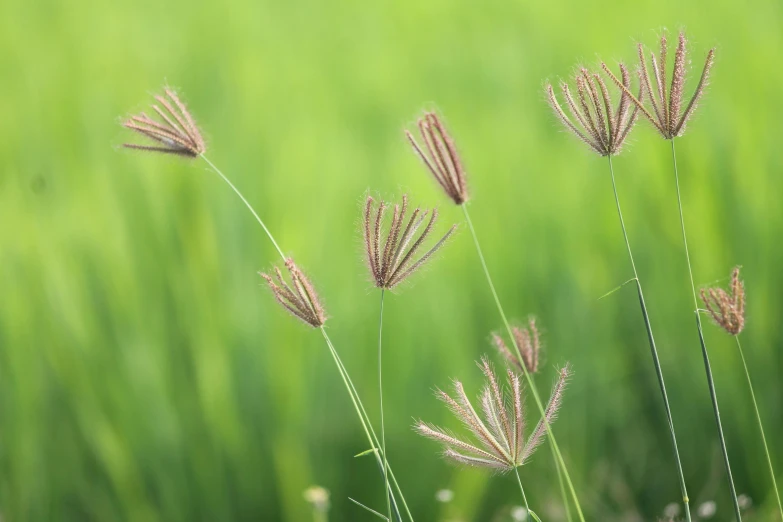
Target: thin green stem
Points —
{"points": [[761, 428], [705, 355], [371, 438], [380, 395], [357, 404], [559, 457], [366, 424], [560, 482], [653, 349], [249, 207], [524, 497]]}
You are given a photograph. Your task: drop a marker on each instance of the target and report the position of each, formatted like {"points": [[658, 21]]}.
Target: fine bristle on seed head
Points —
{"points": [[727, 308], [173, 132], [391, 251], [299, 297], [499, 432], [528, 340], [665, 111], [440, 156], [591, 117]]}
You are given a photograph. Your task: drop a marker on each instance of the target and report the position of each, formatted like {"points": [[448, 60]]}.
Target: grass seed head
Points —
{"points": [[592, 118], [727, 308], [440, 157], [173, 132], [390, 252], [665, 108], [528, 340], [498, 431], [299, 298]]}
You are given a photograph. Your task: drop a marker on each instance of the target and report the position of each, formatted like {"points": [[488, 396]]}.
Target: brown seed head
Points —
{"points": [[299, 298], [175, 132], [390, 252], [499, 431], [727, 308], [528, 340], [665, 108], [441, 157], [594, 121]]}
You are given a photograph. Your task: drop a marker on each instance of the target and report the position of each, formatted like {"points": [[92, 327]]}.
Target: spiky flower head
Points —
{"points": [[665, 111], [299, 298], [441, 157], [727, 308], [390, 253], [603, 128], [500, 440], [175, 132], [528, 340]]}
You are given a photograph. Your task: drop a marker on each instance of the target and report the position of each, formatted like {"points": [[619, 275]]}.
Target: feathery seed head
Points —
{"points": [[665, 108], [528, 340], [441, 157], [390, 253], [593, 120], [727, 308], [175, 132], [499, 431], [299, 298]]}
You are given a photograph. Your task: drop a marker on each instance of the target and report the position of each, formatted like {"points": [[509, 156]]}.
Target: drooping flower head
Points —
{"points": [[665, 109], [391, 253], [299, 298], [528, 340], [727, 308], [500, 439], [440, 157], [593, 119], [175, 132]]}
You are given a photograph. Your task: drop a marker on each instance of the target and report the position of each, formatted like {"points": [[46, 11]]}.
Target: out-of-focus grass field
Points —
{"points": [[146, 375]]}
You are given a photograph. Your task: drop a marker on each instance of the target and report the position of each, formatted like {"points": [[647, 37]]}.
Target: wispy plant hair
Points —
{"points": [[594, 121], [500, 441], [391, 254], [727, 308], [440, 156], [665, 110], [300, 298], [174, 132], [528, 340]]}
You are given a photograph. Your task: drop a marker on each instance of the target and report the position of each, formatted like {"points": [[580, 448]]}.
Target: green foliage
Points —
{"points": [[146, 375]]}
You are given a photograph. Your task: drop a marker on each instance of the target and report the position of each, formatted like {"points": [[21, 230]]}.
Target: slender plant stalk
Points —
{"points": [[705, 355], [563, 493], [761, 428], [653, 349], [559, 457], [365, 420], [524, 497], [249, 207], [356, 401], [380, 395]]}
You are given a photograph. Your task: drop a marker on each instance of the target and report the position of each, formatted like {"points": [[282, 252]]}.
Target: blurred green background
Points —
{"points": [[146, 375]]}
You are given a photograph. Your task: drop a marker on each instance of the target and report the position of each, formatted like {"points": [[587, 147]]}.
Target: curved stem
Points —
{"points": [[761, 428], [357, 403], [380, 394], [653, 349], [705, 355], [524, 497], [366, 424], [249, 207], [365, 421], [559, 457]]}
